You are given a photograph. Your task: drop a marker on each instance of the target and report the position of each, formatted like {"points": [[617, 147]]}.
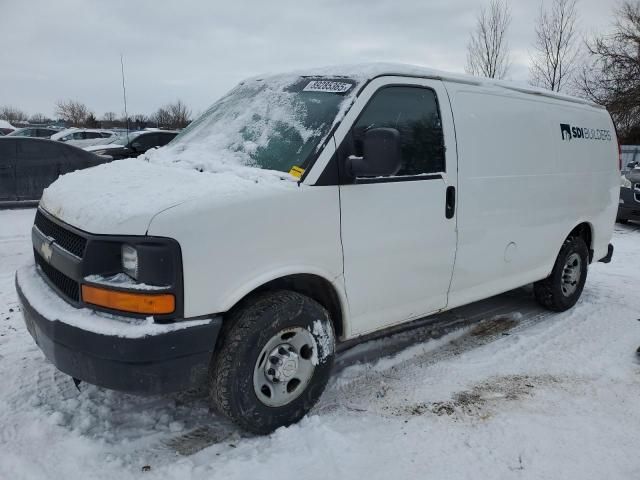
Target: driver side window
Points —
{"points": [[414, 112]]}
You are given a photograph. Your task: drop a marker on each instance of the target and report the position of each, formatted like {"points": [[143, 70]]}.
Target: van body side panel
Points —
{"points": [[589, 165], [291, 230], [522, 188]]}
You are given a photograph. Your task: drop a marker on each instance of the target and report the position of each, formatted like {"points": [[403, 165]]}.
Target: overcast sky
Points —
{"points": [[197, 50]]}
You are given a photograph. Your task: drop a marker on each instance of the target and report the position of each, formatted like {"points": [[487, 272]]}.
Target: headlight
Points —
{"points": [[625, 182], [130, 261]]}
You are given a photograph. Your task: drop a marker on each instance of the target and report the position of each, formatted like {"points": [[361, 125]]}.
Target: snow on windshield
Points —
{"points": [[272, 123]]}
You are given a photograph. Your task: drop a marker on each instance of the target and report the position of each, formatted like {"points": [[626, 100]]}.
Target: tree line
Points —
{"points": [[603, 68], [74, 113]]}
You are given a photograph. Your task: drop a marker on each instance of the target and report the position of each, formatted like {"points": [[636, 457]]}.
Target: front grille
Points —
{"points": [[67, 286], [68, 240]]}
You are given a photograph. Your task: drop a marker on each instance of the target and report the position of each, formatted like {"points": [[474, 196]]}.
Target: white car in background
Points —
{"points": [[84, 137]]}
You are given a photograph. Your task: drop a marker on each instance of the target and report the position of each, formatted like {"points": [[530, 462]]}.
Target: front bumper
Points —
{"points": [[167, 359]]}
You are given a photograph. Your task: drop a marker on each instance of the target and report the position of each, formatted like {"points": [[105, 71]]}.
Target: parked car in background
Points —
{"points": [[6, 127], [629, 156], [83, 137], [133, 144], [37, 132], [29, 165]]}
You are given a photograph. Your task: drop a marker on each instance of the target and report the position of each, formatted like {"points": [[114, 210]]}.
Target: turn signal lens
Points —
{"points": [[154, 304]]}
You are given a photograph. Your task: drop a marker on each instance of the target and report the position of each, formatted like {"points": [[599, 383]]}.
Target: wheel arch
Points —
{"points": [[315, 286], [584, 230]]}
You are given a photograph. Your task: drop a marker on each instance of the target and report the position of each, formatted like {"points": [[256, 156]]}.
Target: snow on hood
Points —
{"points": [[122, 197]]}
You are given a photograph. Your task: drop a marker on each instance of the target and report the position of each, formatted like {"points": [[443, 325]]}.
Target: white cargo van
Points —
{"points": [[308, 209]]}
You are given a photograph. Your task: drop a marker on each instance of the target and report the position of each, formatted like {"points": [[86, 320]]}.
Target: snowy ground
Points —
{"points": [[509, 392]]}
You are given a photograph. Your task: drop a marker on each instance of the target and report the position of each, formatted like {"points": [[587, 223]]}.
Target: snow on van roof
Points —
{"points": [[363, 72]]}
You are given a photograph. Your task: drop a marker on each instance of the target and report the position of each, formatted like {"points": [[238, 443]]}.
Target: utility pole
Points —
{"points": [[124, 96]]}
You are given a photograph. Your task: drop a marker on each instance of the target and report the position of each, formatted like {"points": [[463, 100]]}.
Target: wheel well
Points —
{"points": [[584, 231], [312, 286]]}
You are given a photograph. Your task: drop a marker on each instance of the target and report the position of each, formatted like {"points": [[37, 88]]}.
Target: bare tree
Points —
{"points": [[140, 118], [488, 50], [612, 76], [162, 118], [39, 118], [109, 117], [556, 45], [12, 114], [173, 115], [72, 111], [180, 114]]}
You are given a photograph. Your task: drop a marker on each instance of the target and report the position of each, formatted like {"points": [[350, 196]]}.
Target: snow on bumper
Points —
{"points": [[120, 353]]}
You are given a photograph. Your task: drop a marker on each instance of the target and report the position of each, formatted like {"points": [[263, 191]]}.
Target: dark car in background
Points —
{"points": [[34, 132], [29, 165], [133, 144], [629, 204]]}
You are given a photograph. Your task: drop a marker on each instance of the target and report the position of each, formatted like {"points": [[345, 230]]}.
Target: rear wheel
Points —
{"points": [[562, 289], [273, 361]]}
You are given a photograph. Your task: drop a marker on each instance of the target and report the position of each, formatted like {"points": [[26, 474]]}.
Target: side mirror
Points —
{"points": [[381, 154], [632, 164], [136, 146]]}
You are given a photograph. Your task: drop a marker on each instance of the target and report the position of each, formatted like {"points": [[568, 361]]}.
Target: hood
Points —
{"points": [[122, 197]]}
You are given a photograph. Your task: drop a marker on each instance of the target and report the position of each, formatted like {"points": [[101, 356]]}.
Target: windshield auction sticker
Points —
{"points": [[328, 86]]}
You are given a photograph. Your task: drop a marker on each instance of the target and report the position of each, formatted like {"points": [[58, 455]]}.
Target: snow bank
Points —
{"points": [[49, 304]]}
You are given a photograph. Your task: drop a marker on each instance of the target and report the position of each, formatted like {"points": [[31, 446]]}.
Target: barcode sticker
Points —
{"points": [[328, 86]]}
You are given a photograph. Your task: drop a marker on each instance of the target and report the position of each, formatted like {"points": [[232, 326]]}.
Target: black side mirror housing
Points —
{"points": [[632, 164], [135, 146], [381, 157]]}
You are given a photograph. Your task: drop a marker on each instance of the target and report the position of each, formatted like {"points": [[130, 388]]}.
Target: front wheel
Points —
{"points": [[273, 361], [561, 290]]}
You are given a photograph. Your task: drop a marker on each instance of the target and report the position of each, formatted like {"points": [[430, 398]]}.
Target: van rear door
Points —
{"points": [[399, 231]]}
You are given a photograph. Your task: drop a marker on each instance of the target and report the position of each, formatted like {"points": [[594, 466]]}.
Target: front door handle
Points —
{"points": [[450, 207]]}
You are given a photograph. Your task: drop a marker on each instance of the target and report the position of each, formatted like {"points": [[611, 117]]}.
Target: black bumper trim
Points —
{"points": [[163, 363]]}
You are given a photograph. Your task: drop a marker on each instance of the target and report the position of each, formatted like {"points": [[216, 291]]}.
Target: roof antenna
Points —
{"points": [[124, 96]]}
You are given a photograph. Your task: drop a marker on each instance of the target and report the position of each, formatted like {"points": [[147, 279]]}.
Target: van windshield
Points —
{"points": [[272, 124]]}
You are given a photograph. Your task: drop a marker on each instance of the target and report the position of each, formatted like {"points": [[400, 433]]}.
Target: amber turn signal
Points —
{"points": [[154, 304]]}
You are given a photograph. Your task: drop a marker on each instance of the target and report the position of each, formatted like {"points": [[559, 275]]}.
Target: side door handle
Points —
{"points": [[450, 207]]}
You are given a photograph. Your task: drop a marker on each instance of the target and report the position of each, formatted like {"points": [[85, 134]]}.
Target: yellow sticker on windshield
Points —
{"points": [[296, 171]]}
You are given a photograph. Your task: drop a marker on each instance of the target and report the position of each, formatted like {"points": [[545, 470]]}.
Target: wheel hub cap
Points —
{"points": [[282, 364], [571, 273], [284, 367]]}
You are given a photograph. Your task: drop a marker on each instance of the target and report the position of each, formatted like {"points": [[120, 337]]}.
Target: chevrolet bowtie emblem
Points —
{"points": [[46, 251]]}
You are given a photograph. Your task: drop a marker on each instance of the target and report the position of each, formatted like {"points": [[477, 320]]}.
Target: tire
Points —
{"points": [[280, 325], [561, 290], [623, 221]]}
